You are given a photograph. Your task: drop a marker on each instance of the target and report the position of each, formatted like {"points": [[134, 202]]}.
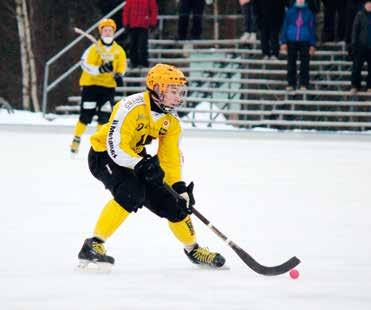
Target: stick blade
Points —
{"points": [[265, 270]]}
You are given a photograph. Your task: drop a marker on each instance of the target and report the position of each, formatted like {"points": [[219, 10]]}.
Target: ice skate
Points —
{"points": [[75, 145], [93, 257], [203, 256]]}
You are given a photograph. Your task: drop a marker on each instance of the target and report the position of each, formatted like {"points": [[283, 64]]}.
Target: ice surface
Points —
{"points": [[275, 198]]}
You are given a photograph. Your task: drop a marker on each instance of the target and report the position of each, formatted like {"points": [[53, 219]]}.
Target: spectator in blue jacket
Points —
{"points": [[298, 36]]}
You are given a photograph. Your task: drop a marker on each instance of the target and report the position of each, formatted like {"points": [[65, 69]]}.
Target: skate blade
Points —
{"points": [[73, 155], [208, 267], [94, 267]]}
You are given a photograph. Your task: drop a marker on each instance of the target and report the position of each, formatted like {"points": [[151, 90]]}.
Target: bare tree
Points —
{"points": [[24, 57], [31, 58], [29, 77]]}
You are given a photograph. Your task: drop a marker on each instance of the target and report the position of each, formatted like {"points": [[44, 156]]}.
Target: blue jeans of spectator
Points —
{"points": [[298, 50], [249, 17]]}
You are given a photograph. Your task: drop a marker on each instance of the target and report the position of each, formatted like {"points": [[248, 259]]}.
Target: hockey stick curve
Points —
{"points": [[245, 257]]}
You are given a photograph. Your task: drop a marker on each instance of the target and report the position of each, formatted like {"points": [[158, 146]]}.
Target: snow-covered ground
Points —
{"points": [[275, 198]]}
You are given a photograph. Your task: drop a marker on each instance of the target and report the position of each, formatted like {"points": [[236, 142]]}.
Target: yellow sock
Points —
{"points": [[79, 129], [109, 220], [184, 231]]}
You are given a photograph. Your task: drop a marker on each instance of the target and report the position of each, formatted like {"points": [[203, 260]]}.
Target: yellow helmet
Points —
{"points": [[107, 22], [164, 75]]}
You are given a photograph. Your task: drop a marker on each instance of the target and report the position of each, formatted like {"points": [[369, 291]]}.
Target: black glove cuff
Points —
{"points": [[180, 187], [138, 168]]}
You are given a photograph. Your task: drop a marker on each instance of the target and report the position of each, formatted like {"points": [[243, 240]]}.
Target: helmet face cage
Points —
{"points": [[172, 97], [163, 75]]}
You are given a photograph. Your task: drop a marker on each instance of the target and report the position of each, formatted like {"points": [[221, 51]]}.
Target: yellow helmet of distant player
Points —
{"points": [[164, 75], [107, 22]]}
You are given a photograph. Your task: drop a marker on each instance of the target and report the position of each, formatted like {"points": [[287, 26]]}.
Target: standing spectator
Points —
{"points": [[361, 46], [352, 8], [137, 17], [334, 19], [298, 37], [269, 16], [103, 65], [247, 10], [185, 9]]}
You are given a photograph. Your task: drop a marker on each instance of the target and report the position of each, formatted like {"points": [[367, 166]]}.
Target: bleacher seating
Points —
{"points": [[249, 91]]}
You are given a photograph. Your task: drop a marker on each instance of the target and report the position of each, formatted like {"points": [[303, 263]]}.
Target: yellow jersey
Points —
{"points": [[131, 126], [94, 57]]}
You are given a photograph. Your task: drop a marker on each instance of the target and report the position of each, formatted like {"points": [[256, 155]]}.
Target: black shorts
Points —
{"points": [[132, 193], [96, 100]]}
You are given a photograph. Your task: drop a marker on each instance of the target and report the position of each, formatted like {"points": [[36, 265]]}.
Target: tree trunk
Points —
{"points": [[31, 58], [24, 59]]}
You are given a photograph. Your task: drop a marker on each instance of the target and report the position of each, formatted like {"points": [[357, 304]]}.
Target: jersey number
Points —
{"points": [[144, 139]]}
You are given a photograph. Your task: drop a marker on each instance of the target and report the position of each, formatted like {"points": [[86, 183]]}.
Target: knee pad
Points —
{"points": [[86, 117], [166, 205], [175, 212], [178, 216], [131, 201], [103, 117]]}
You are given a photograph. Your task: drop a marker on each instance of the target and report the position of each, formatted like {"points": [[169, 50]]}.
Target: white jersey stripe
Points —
{"points": [[118, 155], [91, 69]]}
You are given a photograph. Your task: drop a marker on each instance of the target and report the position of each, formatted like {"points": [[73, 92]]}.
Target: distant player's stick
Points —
{"points": [[246, 258], [105, 56], [85, 34]]}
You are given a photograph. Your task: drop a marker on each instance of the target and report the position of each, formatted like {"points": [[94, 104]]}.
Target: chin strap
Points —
{"points": [[159, 101], [106, 44]]}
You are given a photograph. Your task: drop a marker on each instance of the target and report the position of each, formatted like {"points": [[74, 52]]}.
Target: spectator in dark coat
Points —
{"points": [[269, 17], [186, 7], [361, 46], [352, 8], [334, 20], [298, 36], [138, 16]]}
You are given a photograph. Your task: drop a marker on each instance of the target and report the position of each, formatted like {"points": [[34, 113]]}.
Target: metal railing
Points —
{"points": [[216, 18], [47, 87]]}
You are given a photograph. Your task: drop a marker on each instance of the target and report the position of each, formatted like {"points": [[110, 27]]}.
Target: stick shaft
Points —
{"points": [[208, 224], [106, 57]]}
